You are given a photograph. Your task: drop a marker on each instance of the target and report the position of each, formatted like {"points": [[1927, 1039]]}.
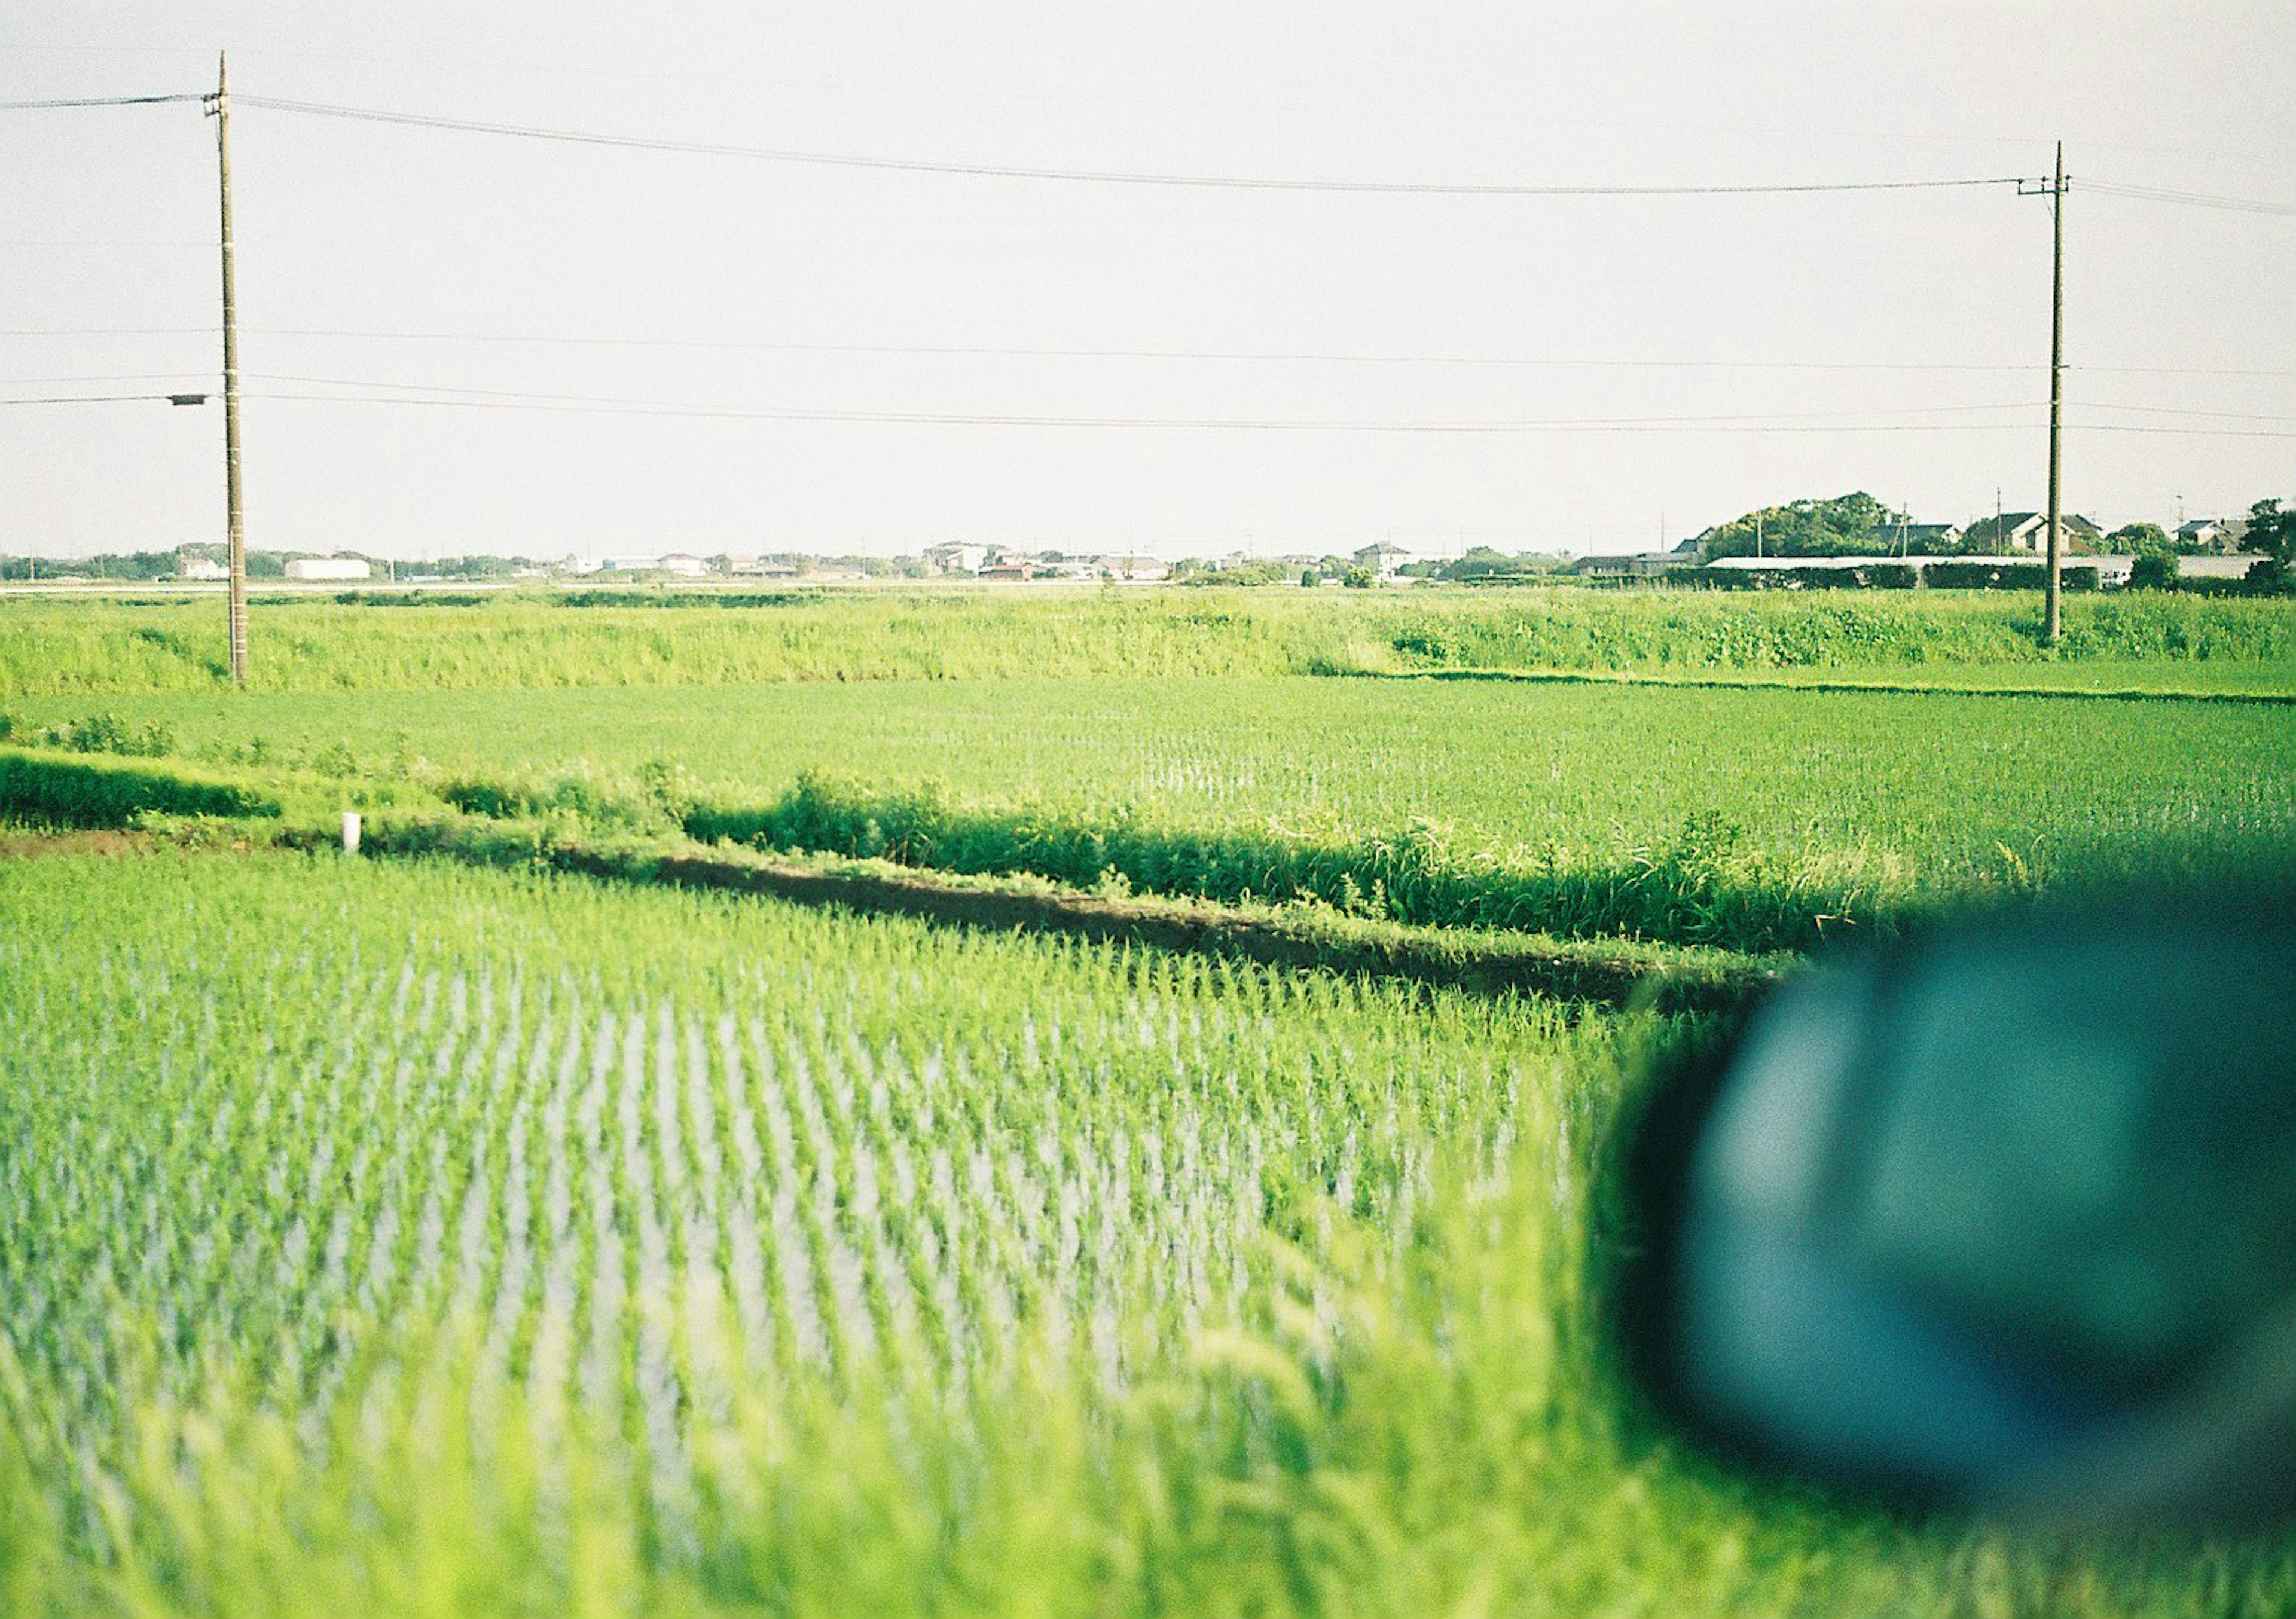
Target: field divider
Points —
{"points": [[1824, 686], [1604, 973]]}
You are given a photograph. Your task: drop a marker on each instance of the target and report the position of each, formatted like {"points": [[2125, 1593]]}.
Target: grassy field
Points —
{"points": [[396, 1236], [1863, 807], [784, 1263], [124, 644]]}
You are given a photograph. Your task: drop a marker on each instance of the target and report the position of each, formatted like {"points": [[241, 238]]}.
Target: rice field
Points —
{"points": [[391, 1236], [399, 1239], [1875, 803]]}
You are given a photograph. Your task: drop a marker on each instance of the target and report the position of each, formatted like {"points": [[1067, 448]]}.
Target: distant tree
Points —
{"points": [[1844, 525], [2153, 570], [1358, 577], [1310, 579], [1480, 562], [2273, 532], [2140, 539]]}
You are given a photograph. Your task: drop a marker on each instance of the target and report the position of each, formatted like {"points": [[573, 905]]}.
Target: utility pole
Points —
{"points": [[2055, 190], [219, 107]]}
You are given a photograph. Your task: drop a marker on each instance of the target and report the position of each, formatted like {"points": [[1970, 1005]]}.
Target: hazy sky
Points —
{"points": [[1893, 342]]}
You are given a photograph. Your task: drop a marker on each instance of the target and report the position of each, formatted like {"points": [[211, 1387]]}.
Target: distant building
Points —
{"points": [[1638, 564], [2225, 565], [1918, 539], [1384, 560], [2111, 571], [2213, 533], [199, 568], [577, 567], [2027, 532], [1133, 568], [956, 557], [759, 567], [685, 564], [328, 567]]}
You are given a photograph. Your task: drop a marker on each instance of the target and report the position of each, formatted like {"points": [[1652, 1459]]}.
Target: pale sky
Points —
{"points": [[1864, 322]]}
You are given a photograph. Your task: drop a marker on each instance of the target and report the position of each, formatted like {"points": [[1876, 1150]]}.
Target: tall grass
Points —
{"points": [[70, 646]]}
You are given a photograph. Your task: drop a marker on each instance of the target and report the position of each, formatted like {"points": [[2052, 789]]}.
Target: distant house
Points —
{"points": [[1384, 560], [2111, 571], [577, 567], [1918, 539], [199, 568], [1634, 564], [328, 567], [684, 564], [1008, 570], [2213, 533], [2027, 532], [956, 557], [1131, 567], [759, 567]]}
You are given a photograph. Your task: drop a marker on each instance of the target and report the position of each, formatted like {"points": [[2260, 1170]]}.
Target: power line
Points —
{"points": [[1241, 356], [2188, 199], [92, 399], [474, 399], [95, 100], [530, 132]]}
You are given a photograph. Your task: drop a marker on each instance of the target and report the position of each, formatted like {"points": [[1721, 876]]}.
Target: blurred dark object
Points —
{"points": [[2002, 1218]]}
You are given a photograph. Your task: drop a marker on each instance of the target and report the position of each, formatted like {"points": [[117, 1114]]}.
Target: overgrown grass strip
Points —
{"points": [[88, 791], [1702, 888], [1604, 972]]}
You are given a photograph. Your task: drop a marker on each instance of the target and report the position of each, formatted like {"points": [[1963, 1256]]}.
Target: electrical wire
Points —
{"points": [[1239, 356], [2188, 199], [97, 100], [92, 399], [474, 399], [374, 115]]}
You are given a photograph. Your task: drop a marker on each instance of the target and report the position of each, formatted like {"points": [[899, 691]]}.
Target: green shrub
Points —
{"points": [[2155, 570], [48, 790]]}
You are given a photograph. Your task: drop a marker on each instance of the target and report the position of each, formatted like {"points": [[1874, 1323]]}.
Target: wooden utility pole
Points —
{"points": [[219, 105], [2051, 626]]}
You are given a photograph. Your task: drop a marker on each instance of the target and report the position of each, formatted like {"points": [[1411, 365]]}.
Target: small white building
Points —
{"points": [[199, 568], [684, 564], [956, 557], [328, 567], [1384, 560]]}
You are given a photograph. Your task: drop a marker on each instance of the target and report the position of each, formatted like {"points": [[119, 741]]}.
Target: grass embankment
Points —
{"points": [[49, 792], [1701, 889], [1298, 935], [50, 647]]}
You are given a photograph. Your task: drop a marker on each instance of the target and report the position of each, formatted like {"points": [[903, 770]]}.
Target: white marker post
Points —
{"points": [[350, 832]]}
